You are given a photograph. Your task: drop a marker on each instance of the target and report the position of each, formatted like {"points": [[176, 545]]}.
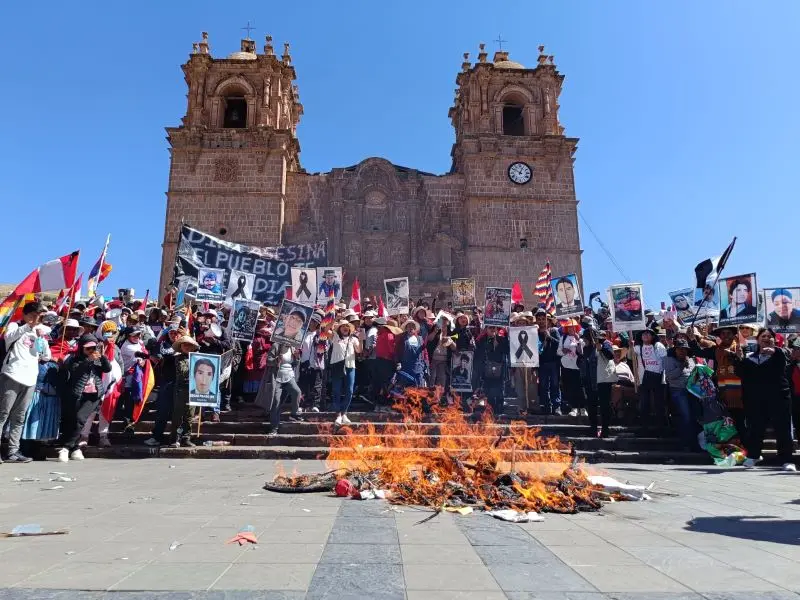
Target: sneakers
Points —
{"points": [[175, 444], [557, 412], [104, 442], [338, 420], [314, 409], [584, 412], [226, 408], [345, 420], [789, 467], [83, 442], [76, 454], [187, 443], [297, 419], [749, 463], [152, 442], [18, 458], [573, 412], [215, 418], [63, 455]]}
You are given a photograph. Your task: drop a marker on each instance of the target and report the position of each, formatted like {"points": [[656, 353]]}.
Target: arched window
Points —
{"points": [[235, 115], [513, 120]]}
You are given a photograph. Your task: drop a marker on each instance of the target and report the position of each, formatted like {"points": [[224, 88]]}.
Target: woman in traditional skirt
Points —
{"points": [[44, 412]]}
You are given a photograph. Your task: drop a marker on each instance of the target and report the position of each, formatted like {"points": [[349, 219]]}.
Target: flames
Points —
{"points": [[454, 460]]}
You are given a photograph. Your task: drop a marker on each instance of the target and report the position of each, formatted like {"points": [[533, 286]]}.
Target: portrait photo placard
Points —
{"points": [[461, 365], [292, 323], [240, 285], [682, 300], [627, 306], [397, 295], [782, 307], [463, 293], [210, 285], [567, 295], [244, 317], [304, 285], [738, 300], [497, 307], [329, 279], [204, 374], [524, 345]]}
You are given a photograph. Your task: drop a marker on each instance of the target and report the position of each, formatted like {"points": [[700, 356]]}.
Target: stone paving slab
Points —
{"points": [[708, 534]]}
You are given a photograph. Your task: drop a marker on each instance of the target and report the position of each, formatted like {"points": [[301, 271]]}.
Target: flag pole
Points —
{"points": [[716, 279]]}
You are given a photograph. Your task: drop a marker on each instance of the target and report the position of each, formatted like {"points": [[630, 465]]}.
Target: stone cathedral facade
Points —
{"points": [[507, 204]]}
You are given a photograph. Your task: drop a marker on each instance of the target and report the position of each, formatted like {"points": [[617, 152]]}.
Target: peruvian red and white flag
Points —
{"points": [[355, 297], [66, 298], [54, 275], [58, 274], [381, 307]]}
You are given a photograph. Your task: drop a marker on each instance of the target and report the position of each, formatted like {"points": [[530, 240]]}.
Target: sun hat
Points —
{"points": [[347, 324], [185, 339], [369, 313]]}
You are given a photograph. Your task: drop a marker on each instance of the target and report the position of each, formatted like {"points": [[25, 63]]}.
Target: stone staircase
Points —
{"points": [[241, 434]]}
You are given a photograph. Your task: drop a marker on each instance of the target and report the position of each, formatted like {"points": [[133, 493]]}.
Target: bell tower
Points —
{"points": [[517, 166], [230, 157]]}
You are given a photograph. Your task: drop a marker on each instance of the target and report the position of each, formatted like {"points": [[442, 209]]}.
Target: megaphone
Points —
{"points": [[215, 330]]}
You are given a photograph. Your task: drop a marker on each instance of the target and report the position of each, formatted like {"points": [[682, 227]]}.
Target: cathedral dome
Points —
{"points": [[242, 56], [507, 64]]}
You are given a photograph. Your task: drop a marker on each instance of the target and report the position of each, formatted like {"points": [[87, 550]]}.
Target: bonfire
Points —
{"points": [[471, 461]]}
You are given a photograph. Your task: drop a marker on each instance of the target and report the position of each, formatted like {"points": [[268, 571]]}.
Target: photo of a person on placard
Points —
{"points": [[740, 298], [567, 296], [211, 282], [461, 376], [329, 284], [290, 326], [627, 304], [784, 313], [203, 376]]}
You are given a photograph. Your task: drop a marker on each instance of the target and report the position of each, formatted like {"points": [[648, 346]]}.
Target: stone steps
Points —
{"points": [[243, 432]]}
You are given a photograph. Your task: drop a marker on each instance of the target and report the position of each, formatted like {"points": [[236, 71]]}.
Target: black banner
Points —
{"points": [[260, 272]]}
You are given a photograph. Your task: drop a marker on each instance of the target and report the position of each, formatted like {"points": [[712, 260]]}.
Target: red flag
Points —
{"points": [[516, 293], [143, 305], [381, 307], [61, 302], [74, 290], [355, 296]]}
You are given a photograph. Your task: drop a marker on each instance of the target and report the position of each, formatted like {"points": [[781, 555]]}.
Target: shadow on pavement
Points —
{"points": [[758, 528]]}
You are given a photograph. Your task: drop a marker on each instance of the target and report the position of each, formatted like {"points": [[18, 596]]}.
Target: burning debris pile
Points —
{"points": [[465, 463]]}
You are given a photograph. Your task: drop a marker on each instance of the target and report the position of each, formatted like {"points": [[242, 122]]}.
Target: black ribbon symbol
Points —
{"points": [[240, 291], [522, 338], [303, 289]]}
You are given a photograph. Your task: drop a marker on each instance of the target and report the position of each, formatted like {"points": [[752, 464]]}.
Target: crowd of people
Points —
{"points": [[59, 372]]}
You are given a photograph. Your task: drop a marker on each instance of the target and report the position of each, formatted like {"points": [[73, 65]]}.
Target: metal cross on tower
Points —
{"points": [[500, 41], [248, 29]]}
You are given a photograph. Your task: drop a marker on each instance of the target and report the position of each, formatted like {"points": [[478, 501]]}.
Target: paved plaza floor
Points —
{"points": [[709, 534]]}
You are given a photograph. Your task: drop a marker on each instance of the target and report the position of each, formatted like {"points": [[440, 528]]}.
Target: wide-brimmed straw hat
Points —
{"points": [[186, 339], [347, 324]]}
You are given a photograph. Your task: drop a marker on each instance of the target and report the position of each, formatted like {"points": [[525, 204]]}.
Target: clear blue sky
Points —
{"points": [[687, 113]]}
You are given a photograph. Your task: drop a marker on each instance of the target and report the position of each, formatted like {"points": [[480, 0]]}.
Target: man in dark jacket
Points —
{"points": [[549, 365], [214, 340]]}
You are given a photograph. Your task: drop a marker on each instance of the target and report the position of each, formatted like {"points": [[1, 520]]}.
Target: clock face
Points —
{"points": [[519, 173]]}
